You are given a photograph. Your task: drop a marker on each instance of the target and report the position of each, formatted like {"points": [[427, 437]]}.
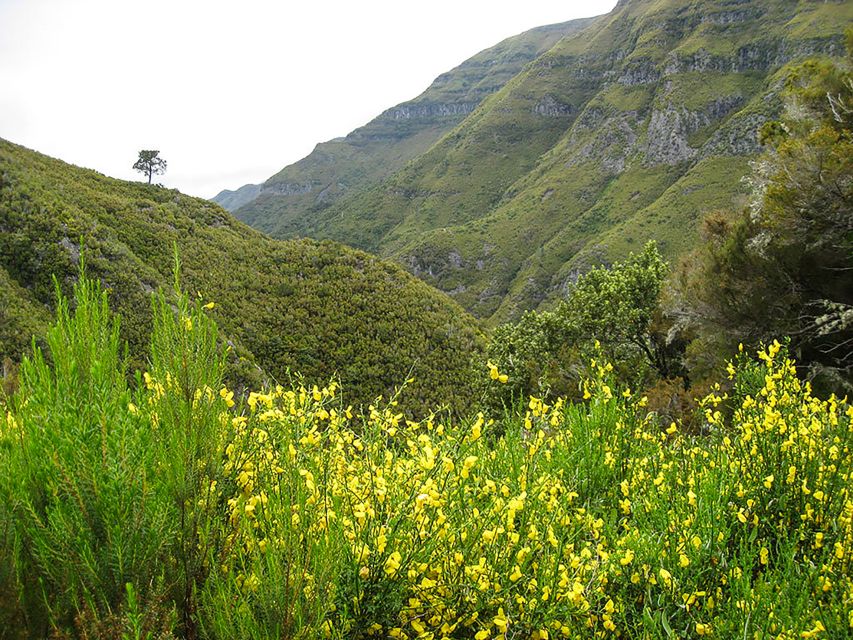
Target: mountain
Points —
{"points": [[317, 308], [628, 129], [381, 147], [231, 200]]}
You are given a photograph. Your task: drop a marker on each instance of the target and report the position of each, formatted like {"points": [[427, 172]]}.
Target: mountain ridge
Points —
{"points": [[383, 145], [626, 130]]}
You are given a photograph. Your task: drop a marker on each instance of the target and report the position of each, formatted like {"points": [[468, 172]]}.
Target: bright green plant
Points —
{"points": [[78, 474], [612, 311], [289, 515], [184, 405]]}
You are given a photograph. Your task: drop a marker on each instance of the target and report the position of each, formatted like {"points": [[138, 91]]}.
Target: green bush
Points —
{"points": [[76, 466]]}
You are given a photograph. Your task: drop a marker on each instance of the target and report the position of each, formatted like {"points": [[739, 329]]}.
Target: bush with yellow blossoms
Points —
{"points": [[289, 514], [584, 520]]}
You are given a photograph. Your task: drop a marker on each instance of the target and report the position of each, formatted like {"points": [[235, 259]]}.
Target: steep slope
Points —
{"points": [[285, 204], [627, 130], [320, 309]]}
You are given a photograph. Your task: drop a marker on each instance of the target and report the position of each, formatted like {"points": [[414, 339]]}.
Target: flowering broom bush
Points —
{"points": [[580, 521], [289, 514]]}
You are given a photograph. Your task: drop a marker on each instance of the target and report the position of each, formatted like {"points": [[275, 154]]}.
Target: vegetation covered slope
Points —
{"points": [[285, 204], [317, 308], [627, 130]]}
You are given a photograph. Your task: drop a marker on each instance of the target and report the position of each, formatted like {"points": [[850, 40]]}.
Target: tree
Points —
{"points": [[612, 311], [784, 265], [618, 306], [150, 163]]}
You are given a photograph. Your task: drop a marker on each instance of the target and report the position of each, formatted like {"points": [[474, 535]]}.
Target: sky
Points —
{"points": [[230, 92]]}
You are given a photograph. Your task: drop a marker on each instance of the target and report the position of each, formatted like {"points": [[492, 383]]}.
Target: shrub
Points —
{"points": [[77, 465]]}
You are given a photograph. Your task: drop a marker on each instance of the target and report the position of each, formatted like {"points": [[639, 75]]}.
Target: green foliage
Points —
{"points": [[608, 311], [317, 308], [76, 467], [21, 317], [617, 306], [782, 266], [292, 518], [110, 492], [185, 377]]}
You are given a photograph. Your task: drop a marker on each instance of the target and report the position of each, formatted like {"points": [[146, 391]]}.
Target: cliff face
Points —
{"points": [[285, 204], [628, 129]]}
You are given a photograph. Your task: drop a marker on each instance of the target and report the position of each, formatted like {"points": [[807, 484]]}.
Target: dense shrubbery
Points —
{"points": [[170, 507], [319, 309], [614, 310]]}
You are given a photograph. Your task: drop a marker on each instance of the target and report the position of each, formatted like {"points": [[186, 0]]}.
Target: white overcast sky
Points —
{"points": [[230, 92]]}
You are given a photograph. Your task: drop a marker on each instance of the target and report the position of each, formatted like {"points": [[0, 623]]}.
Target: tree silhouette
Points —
{"points": [[150, 163]]}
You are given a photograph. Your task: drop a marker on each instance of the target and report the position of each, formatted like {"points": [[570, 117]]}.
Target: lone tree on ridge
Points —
{"points": [[150, 163]]}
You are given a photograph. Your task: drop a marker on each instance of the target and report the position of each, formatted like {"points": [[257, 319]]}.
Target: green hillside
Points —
{"points": [[284, 204], [314, 307], [628, 130]]}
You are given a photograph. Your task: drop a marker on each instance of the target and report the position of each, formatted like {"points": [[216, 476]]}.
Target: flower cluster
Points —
{"points": [[578, 521]]}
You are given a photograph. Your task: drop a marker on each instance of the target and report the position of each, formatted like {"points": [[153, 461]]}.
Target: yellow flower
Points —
{"points": [[501, 621], [228, 396], [467, 465], [703, 629], [814, 631], [476, 430], [792, 474], [666, 576], [392, 563], [495, 375]]}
